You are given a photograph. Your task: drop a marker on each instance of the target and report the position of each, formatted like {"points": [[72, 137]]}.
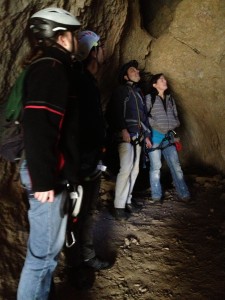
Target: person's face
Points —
{"points": [[68, 41], [133, 74], [161, 84]]}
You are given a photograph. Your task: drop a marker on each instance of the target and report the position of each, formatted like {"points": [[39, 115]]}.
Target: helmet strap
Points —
{"points": [[73, 45]]}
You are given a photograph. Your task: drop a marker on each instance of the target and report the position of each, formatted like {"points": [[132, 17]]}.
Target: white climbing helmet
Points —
{"points": [[86, 41], [48, 21]]}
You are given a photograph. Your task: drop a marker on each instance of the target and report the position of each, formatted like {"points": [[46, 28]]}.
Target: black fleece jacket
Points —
{"points": [[48, 92]]}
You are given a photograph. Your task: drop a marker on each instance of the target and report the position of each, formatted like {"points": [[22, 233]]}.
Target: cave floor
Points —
{"points": [[171, 251]]}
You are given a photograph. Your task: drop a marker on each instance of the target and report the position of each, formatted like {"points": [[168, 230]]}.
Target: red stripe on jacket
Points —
{"points": [[46, 108], [61, 158]]}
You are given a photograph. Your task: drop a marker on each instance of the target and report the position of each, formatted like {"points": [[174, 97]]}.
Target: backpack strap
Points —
{"points": [[152, 98], [137, 107], [45, 58]]}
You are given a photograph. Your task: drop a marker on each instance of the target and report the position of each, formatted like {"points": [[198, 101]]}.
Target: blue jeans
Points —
{"points": [[47, 235], [129, 168], [172, 159]]}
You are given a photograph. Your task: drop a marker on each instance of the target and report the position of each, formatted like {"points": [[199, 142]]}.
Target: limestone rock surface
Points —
{"points": [[190, 51]]}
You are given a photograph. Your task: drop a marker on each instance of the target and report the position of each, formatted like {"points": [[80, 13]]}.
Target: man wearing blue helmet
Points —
{"points": [[91, 140]]}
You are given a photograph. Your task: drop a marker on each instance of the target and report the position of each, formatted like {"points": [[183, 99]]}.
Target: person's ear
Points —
{"points": [[125, 77], [154, 85], [62, 40]]}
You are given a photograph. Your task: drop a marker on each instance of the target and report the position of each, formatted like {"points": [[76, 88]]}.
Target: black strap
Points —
{"points": [[137, 141], [166, 138]]}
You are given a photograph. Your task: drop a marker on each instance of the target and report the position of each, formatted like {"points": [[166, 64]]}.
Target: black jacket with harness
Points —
{"points": [[127, 110]]}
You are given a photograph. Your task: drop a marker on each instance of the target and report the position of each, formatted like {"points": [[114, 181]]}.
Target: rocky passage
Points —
{"points": [[170, 251]]}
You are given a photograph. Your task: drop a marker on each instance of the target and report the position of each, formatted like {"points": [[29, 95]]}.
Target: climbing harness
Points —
{"points": [[172, 140]]}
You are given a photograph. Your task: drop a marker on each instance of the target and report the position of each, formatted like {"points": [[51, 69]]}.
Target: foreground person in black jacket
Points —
{"points": [[47, 94], [91, 141]]}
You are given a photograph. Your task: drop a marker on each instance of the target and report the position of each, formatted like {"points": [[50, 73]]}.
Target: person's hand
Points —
{"points": [[43, 197], [148, 143], [126, 136]]}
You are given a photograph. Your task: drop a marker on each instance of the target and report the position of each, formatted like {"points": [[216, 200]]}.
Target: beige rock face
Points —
{"points": [[184, 39], [191, 54]]}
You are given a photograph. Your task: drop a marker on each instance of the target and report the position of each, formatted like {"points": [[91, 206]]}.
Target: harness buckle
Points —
{"points": [[137, 139]]}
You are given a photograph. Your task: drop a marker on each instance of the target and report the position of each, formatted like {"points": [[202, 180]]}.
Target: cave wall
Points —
{"points": [[190, 51], [185, 39]]}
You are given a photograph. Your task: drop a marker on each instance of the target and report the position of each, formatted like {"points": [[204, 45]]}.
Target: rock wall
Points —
{"points": [[190, 51], [185, 39]]}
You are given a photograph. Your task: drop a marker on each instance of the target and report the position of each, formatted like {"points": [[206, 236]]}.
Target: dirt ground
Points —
{"points": [[171, 251]]}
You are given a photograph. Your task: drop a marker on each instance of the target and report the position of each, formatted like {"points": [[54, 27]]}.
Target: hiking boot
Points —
{"points": [[188, 200], [81, 277], [137, 203], [156, 201], [97, 264], [131, 208], [120, 214]]}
